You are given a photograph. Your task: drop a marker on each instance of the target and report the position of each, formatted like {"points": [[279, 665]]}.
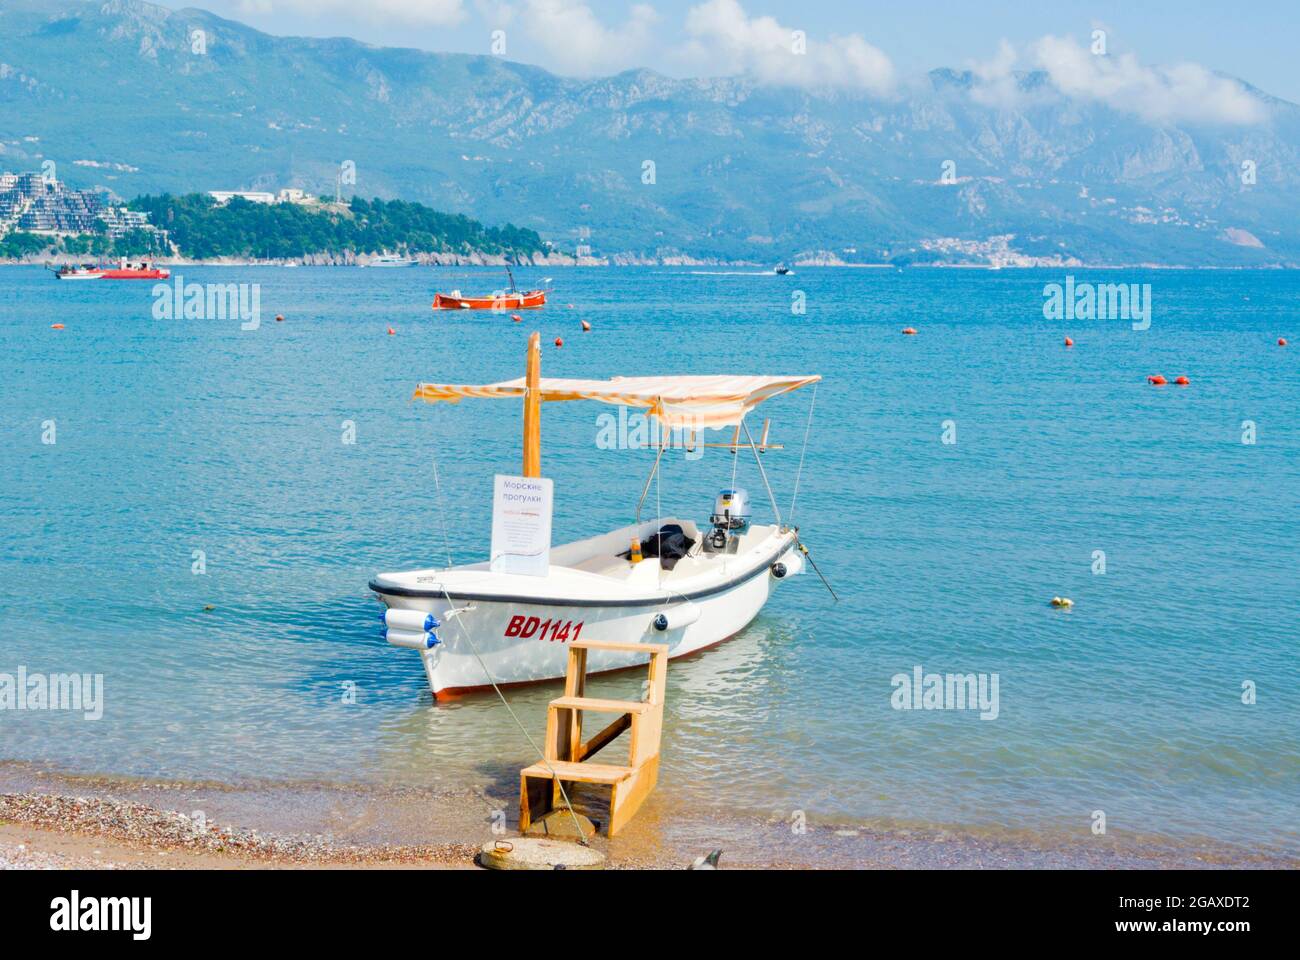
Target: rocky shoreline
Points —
{"points": [[142, 826], [40, 830]]}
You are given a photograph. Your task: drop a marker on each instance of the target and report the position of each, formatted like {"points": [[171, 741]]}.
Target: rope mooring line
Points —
{"points": [[582, 839]]}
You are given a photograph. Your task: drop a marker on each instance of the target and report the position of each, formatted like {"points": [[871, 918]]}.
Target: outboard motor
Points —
{"points": [[730, 516]]}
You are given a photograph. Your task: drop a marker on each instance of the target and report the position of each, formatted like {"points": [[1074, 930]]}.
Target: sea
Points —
{"points": [[192, 505]]}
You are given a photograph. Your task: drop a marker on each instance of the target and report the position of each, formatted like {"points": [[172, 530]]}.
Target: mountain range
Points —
{"points": [[121, 94]]}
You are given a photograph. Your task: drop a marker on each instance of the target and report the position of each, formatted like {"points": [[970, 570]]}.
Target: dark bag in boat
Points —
{"points": [[670, 544]]}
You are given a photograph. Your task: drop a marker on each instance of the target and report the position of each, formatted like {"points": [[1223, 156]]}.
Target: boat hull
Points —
{"points": [[136, 274], [117, 275], [514, 641], [509, 301]]}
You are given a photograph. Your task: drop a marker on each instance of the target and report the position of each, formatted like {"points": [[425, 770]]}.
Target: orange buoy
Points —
{"points": [[279, 318], [586, 327], [1182, 381], [1069, 342], [910, 331], [56, 326], [559, 342], [1156, 380], [1281, 341], [391, 331], [516, 318]]}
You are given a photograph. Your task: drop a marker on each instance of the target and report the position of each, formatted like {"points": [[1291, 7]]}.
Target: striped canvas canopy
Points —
{"points": [[687, 402]]}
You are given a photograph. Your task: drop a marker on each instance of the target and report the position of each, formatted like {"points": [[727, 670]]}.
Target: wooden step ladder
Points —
{"points": [[566, 753]]}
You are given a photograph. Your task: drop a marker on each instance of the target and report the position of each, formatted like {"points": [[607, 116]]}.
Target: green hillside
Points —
{"points": [[201, 229]]}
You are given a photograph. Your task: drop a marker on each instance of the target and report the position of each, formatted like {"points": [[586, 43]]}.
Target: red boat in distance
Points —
{"points": [[123, 271], [527, 300], [513, 299]]}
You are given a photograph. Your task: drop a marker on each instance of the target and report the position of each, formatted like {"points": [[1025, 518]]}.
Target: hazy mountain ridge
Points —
{"points": [[741, 170]]}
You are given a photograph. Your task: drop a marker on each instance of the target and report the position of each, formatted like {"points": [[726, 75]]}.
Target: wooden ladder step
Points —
{"points": [[579, 772], [597, 705], [652, 648], [540, 787]]}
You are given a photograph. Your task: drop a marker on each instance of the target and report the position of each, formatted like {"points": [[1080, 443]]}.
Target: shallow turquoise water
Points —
{"points": [[176, 436]]}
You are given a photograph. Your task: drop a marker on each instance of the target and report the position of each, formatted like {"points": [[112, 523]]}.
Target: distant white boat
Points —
{"points": [[390, 260]]}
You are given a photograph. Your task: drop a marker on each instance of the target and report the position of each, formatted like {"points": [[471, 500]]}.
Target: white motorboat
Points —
{"points": [[666, 580], [83, 272], [389, 260]]}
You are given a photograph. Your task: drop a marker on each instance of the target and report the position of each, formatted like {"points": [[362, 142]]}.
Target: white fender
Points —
{"points": [[411, 621], [674, 618], [411, 640]]}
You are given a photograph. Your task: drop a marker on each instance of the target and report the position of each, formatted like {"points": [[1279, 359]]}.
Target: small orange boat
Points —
{"points": [[513, 299]]}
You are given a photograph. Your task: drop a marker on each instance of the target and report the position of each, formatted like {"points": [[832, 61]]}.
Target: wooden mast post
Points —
{"points": [[533, 408]]}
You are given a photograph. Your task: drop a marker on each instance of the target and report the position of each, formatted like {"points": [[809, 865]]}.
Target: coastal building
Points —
{"points": [[223, 197], [120, 221], [286, 195], [54, 210], [33, 204]]}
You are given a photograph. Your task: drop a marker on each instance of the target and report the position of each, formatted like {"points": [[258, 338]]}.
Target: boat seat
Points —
{"points": [[618, 568], [604, 565]]}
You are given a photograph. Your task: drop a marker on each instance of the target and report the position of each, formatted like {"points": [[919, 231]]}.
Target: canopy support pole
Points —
{"points": [[533, 408], [763, 473], [663, 445]]}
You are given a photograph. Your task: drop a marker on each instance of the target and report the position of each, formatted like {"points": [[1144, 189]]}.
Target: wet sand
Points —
{"points": [[53, 820]]}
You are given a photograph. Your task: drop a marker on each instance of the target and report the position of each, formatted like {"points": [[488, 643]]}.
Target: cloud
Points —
{"points": [[725, 39], [719, 38], [995, 83], [1184, 92], [578, 43], [423, 13], [495, 13]]}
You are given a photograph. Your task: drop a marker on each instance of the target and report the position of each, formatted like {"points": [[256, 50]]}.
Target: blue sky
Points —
{"points": [[1255, 40]]}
